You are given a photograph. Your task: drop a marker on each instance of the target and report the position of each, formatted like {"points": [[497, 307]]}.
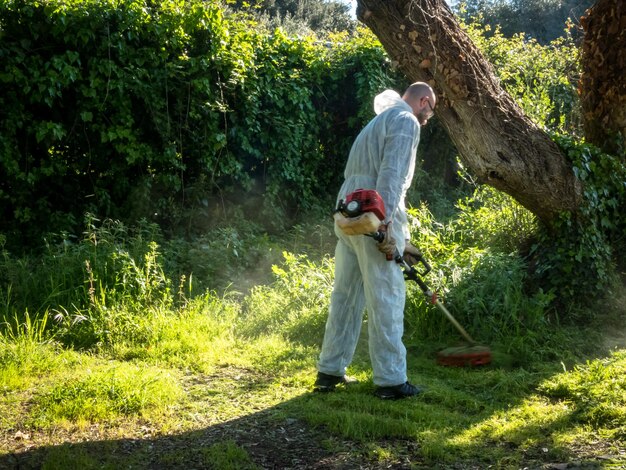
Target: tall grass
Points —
{"points": [[27, 349], [101, 286], [126, 289], [294, 304]]}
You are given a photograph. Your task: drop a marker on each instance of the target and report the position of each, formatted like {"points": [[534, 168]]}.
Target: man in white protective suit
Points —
{"points": [[382, 158]]}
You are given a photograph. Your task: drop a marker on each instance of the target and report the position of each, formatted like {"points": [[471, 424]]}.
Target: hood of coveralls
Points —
{"points": [[389, 99]]}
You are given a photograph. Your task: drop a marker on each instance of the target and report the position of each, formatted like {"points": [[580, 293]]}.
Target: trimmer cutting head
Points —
{"points": [[461, 356], [471, 354]]}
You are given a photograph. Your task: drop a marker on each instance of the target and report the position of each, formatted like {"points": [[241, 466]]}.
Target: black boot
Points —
{"points": [[397, 391], [327, 383]]}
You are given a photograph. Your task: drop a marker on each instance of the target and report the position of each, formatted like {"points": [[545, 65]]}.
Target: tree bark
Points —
{"points": [[496, 141], [603, 81]]}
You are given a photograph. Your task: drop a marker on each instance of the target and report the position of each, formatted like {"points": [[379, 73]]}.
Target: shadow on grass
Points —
{"points": [[266, 439], [451, 426]]}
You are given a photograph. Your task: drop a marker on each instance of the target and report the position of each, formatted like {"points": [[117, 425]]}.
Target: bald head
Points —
{"points": [[419, 90], [421, 98]]}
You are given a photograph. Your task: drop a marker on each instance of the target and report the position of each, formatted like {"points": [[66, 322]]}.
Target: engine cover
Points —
{"points": [[362, 201]]}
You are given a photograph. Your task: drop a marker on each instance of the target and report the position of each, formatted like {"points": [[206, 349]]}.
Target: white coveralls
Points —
{"points": [[382, 158]]}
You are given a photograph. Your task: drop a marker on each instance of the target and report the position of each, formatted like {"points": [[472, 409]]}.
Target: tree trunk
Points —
{"points": [[603, 82], [496, 141]]}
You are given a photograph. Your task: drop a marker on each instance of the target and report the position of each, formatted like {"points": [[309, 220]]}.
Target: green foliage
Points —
{"points": [[543, 79], [132, 110], [275, 106], [101, 112], [573, 261], [490, 218], [98, 289], [87, 284], [576, 259]]}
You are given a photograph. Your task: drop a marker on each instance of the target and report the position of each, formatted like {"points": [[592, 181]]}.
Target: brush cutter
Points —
{"points": [[472, 354], [362, 213]]}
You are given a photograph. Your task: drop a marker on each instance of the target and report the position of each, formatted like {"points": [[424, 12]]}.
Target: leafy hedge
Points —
{"points": [[577, 259], [139, 109]]}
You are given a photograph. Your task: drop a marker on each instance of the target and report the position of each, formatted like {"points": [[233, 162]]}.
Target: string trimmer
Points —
{"points": [[362, 213], [467, 355]]}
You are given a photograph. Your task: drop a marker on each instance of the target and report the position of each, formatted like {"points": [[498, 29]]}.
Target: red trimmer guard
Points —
{"points": [[463, 356]]}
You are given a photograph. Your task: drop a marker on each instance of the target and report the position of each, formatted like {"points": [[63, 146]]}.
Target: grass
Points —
{"points": [[491, 416], [224, 380]]}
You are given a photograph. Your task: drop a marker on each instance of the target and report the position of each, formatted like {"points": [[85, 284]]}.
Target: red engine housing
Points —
{"points": [[366, 200]]}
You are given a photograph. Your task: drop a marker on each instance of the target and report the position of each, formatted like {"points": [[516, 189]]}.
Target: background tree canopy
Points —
{"points": [[542, 20], [299, 16]]}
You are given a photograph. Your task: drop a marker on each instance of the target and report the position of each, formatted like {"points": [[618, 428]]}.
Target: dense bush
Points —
{"points": [[576, 259], [132, 109]]}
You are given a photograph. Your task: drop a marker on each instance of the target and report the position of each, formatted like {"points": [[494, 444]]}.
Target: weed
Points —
{"points": [[228, 455]]}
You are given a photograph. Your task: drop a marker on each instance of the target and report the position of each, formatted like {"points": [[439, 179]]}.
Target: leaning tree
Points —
{"points": [[581, 197], [495, 139]]}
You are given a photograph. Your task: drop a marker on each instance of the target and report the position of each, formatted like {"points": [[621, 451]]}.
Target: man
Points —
{"points": [[382, 158]]}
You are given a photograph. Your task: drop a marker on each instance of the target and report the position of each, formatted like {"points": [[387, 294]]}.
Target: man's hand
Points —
{"points": [[411, 254], [388, 244]]}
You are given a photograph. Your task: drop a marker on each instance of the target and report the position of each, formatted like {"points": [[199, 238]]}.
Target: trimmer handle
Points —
{"points": [[379, 236], [411, 268], [424, 263], [412, 274]]}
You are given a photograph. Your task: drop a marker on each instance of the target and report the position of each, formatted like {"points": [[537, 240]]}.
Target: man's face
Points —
{"points": [[426, 112], [423, 117]]}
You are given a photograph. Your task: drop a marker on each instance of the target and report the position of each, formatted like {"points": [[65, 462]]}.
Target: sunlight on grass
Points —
{"points": [[198, 337], [23, 363], [596, 392], [569, 404], [27, 352], [523, 427], [105, 393]]}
